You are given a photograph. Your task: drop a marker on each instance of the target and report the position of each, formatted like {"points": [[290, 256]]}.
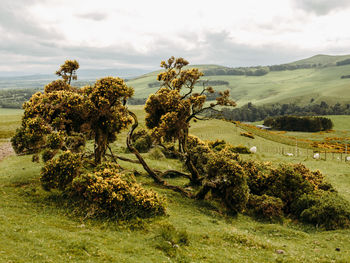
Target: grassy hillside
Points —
{"points": [[300, 86], [320, 83], [324, 60], [36, 226]]}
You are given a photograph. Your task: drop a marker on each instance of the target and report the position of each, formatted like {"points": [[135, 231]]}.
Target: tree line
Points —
{"points": [[297, 123], [251, 112]]}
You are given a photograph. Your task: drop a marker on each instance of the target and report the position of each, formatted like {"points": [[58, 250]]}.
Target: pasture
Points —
{"points": [[299, 86], [38, 226]]}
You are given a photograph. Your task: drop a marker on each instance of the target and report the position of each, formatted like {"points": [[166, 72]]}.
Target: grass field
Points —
{"points": [[36, 226], [9, 120], [299, 86]]}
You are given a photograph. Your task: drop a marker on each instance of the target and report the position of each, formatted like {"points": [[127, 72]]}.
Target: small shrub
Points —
{"points": [[169, 240], [199, 153], [58, 173], [266, 207], [107, 193], [257, 174], [108, 165], [227, 181], [247, 134], [142, 141], [239, 149], [156, 154], [326, 209], [75, 142], [54, 141], [48, 154], [217, 145], [288, 184]]}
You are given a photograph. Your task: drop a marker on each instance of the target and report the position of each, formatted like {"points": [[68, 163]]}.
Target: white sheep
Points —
{"points": [[253, 149], [316, 156], [289, 154], [347, 158]]}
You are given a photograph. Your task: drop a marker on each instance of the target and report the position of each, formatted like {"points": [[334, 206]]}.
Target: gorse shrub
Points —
{"points": [[108, 165], [239, 149], [58, 173], [54, 141], [75, 142], [199, 153], [107, 193], [48, 154], [247, 134], [324, 209], [286, 181], [142, 141], [227, 181], [265, 207], [217, 145]]}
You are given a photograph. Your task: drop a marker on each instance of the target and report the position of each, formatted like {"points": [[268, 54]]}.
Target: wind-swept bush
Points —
{"points": [[226, 181], [106, 193]]}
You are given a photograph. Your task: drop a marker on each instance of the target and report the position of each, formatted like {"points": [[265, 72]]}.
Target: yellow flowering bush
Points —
{"points": [[58, 173], [109, 193], [64, 116]]}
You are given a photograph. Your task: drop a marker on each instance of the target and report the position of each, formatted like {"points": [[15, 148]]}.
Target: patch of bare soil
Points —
{"points": [[5, 150]]}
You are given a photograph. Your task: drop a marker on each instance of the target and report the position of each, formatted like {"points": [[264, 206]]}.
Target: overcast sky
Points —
{"points": [[38, 35]]}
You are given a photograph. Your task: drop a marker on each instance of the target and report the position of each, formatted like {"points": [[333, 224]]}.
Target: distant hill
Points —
{"points": [[324, 60], [316, 79], [321, 82]]}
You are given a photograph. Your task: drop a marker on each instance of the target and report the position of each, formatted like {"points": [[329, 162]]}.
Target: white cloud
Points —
{"points": [[107, 33], [321, 7]]}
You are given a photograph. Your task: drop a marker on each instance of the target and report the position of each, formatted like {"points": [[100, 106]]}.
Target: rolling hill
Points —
{"points": [[321, 83], [317, 78]]}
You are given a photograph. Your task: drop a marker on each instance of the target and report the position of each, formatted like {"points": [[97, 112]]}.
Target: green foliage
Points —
{"points": [[58, 173], [199, 153], [294, 123], [227, 180], [29, 138], [239, 149], [74, 115], [142, 141], [324, 209], [68, 70], [109, 166], [54, 141], [156, 154], [75, 142], [303, 193], [48, 154], [217, 145], [343, 62], [107, 193], [287, 184], [265, 207], [170, 240]]}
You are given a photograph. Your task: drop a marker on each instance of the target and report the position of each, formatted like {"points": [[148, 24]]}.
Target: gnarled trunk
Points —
{"points": [[150, 172], [101, 143]]}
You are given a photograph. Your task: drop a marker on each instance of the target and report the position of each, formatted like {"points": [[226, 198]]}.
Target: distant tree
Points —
{"points": [[68, 70]]}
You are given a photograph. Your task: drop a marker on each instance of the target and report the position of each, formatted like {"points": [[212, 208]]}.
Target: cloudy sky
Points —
{"points": [[38, 35]]}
